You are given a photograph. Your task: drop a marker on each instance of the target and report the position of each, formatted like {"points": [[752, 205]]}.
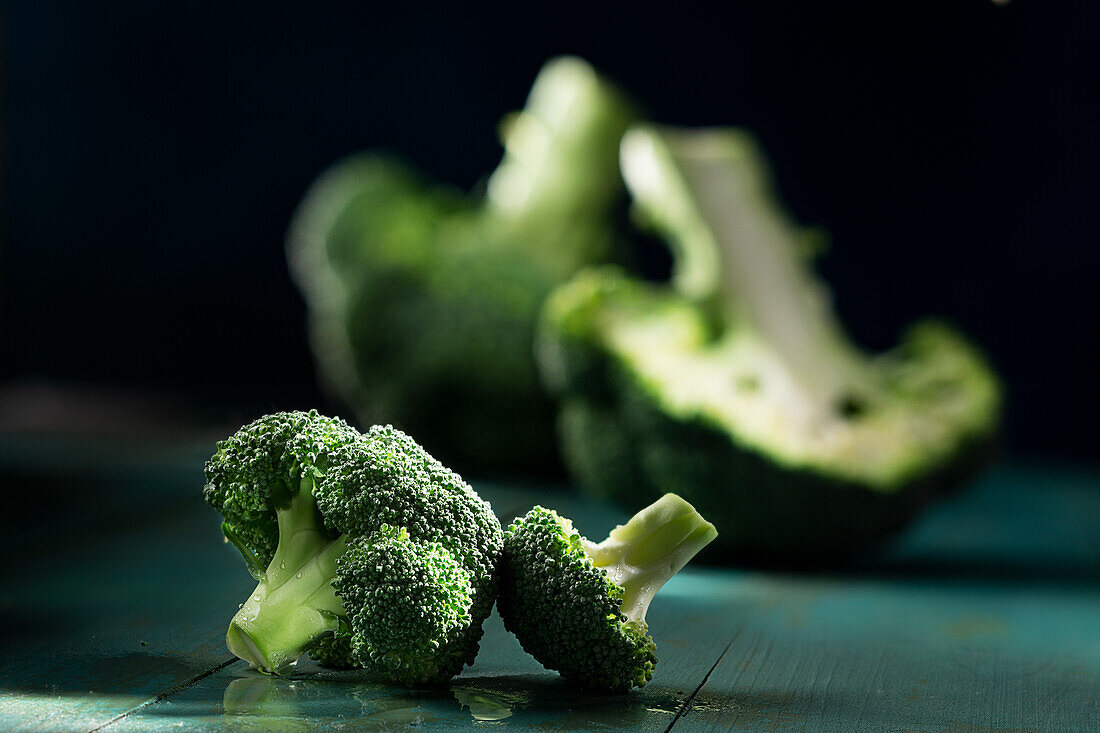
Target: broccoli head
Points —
{"points": [[736, 387], [368, 552], [579, 607], [423, 302]]}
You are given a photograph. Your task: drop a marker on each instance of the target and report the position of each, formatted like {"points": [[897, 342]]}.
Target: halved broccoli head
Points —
{"points": [[736, 386], [369, 553], [579, 607], [422, 301]]}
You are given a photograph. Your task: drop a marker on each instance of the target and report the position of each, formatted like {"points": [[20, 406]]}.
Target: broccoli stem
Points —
{"points": [[643, 554], [710, 191], [764, 274], [560, 166], [294, 603]]}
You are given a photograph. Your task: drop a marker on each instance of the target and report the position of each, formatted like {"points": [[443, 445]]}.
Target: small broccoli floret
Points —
{"points": [[735, 386], [579, 607], [409, 605], [380, 253], [383, 559], [259, 469]]}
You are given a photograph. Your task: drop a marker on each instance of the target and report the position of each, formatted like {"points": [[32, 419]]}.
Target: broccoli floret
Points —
{"points": [[255, 476], [736, 387], [387, 479], [369, 553], [579, 607], [408, 604], [423, 302]]}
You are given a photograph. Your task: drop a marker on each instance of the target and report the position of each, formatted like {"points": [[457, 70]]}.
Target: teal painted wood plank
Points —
{"points": [[1003, 633], [1030, 523], [983, 618], [807, 662], [73, 656]]}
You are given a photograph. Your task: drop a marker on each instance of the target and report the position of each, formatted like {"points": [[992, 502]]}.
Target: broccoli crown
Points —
{"points": [[565, 611], [379, 254], [376, 555], [408, 604], [735, 386], [259, 468]]}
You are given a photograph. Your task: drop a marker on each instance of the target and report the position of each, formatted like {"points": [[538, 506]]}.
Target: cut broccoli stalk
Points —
{"points": [[643, 554], [737, 387], [770, 362], [739, 253], [295, 602]]}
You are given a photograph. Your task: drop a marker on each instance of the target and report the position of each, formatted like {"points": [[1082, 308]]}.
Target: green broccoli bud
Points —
{"points": [[579, 607]]}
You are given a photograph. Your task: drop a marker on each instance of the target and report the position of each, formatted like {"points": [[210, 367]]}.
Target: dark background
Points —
{"points": [[153, 154]]}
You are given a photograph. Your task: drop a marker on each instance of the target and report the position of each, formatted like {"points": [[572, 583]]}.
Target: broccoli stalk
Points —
{"points": [[739, 254], [558, 182], [294, 602], [643, 554]]}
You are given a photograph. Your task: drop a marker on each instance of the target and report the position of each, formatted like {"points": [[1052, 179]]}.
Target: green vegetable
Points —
{"points": [[736, 386], [368, 552], [423, 302], [579, 607]]}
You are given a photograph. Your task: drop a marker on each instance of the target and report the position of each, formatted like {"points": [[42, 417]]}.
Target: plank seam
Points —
{"points": [[166, 694], [686, 705]]}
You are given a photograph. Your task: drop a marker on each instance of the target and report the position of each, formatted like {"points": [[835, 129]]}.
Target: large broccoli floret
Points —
{"points": [[388, 480], [736, 386], [579, 607], [369, 553], [423, 302]]}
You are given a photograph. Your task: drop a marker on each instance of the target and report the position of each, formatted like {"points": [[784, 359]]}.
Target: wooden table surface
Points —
{"points": [[983, 617]]}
